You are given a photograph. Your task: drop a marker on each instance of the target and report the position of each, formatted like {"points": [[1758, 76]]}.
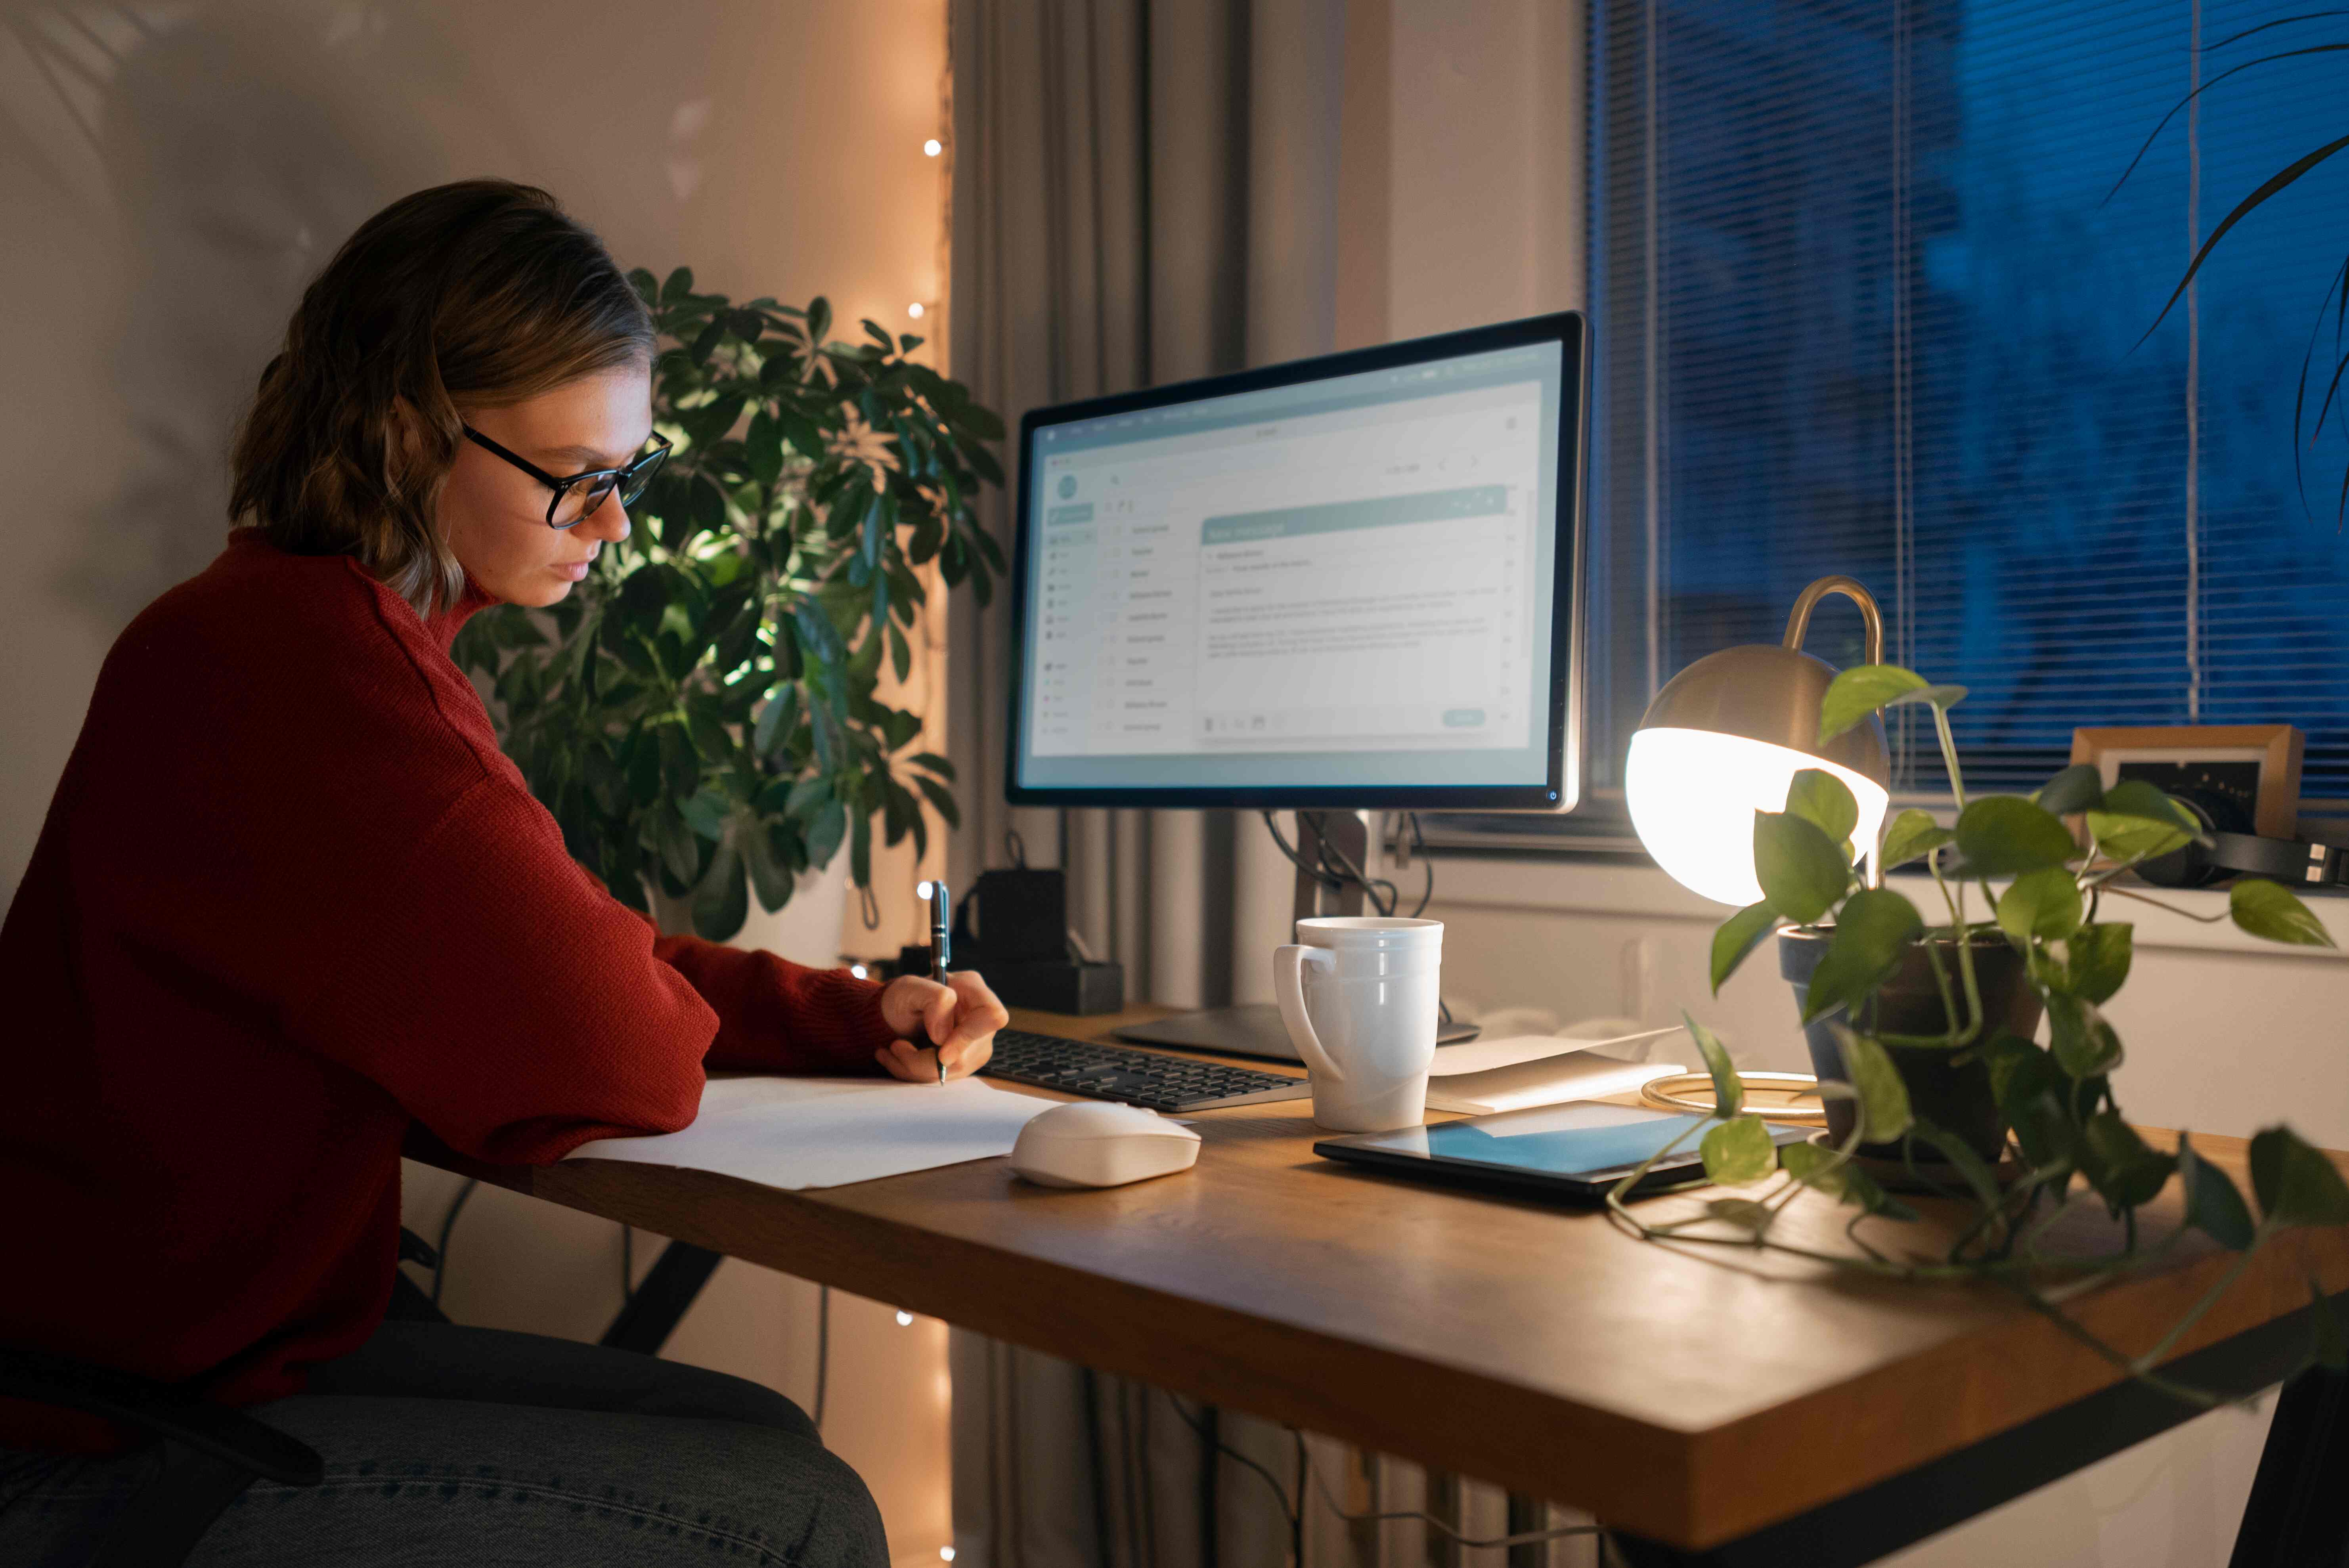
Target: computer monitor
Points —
{"points": [[1349, 582]]}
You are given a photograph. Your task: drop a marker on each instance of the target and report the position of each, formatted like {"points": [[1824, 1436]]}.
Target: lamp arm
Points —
{"points": [[1798, 622]]}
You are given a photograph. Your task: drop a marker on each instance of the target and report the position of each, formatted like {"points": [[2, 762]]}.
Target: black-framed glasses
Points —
{"points": [[576, 496]]}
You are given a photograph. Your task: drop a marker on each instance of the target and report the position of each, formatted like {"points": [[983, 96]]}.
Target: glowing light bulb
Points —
{"points": [[946, 1553], [931, 149], [857, 970], [1692, 795], [915, 310], [905, 1319]]}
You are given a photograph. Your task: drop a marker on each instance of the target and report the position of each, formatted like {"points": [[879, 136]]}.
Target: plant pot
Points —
{"points": [[1954, 1096]]}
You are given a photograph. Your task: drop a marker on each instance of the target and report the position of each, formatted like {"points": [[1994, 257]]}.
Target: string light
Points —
{"points": [[946, 1553], [905, 1319], [933, 147], [915, 310]]}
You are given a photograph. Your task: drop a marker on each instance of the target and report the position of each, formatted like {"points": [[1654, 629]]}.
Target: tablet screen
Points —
{"points": [[1580, 1139]]}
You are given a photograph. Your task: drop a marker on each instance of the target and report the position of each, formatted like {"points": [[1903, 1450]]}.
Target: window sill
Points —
{"points": [[1623, 885]]}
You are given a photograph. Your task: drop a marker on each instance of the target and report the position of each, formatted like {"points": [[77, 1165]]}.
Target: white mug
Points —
{"points": [[1359, 996]]}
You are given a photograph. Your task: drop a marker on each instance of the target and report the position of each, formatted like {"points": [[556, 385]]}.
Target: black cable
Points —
{"points": [[1297, 1520], [1319, 873], [1279, 1493], [449, 1223], [1349, 872], [1426, 867], [822, 1349]]}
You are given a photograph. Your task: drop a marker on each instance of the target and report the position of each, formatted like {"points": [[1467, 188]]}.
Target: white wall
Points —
{"points": [[170, 177]]}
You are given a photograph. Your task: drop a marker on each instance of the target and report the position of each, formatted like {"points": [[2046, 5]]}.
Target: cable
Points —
{"points": [[822, 1349], [449, 1223], [1279, 1493], [1426, 864]]}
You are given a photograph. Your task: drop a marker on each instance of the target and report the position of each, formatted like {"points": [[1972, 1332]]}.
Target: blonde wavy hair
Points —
{"points": [[481, 292]]}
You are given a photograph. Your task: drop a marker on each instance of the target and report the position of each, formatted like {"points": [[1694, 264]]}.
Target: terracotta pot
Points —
{"points": [[1953, 1097]]}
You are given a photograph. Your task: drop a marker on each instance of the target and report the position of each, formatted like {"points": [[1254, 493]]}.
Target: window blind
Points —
{"points": [[1868, 302]]}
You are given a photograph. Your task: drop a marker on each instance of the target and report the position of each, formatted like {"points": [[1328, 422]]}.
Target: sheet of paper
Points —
{"points": [[1549, 1080], [1481, 1056], [796, 1132]]}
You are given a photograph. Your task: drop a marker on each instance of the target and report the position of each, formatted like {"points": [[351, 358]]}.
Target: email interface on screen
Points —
{"points": [[1347, 582]]}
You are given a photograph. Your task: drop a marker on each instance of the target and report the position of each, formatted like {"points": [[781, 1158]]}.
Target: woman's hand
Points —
{"points": [[962, 1016]]}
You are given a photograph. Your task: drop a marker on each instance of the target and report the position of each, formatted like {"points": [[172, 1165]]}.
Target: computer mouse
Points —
{"points": [[1093, 1143]]}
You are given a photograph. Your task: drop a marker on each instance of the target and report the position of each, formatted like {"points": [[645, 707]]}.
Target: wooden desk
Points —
{"points": [[1690, 1396]]}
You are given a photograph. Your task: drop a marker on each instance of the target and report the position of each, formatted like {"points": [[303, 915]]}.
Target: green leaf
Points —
{"points": [[776, 721], [2099, 960], [770, 880], [2041, 904], [1823, 800], [2136, 798], [1912, 836], [2032, 1092], [1739, 935], [2005, 835], [941, 801], [1801, 870], [1817, 1168], [723, 901], [2296, 1184], [1738, 1152], [1883, 1113], [706, 812], [2212, 1202], [2083, 1043], [1859, 692], [1728, 1092], [680, 856], [1742, 1212], [679, 284], [2079, 787], [823, 837], [2117, 1163], [2266, 909], [2138, 821], [1872, 932], [819, 319]]}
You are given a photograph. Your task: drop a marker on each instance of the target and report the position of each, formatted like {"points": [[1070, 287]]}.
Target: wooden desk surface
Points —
{"points": [[1687, 1394]]}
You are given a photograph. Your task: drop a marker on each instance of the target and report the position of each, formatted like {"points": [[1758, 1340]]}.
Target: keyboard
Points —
{"points": [[1162, 1083]]}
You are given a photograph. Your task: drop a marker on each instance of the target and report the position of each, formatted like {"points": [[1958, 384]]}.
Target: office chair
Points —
{"points": [[210, 1452]]}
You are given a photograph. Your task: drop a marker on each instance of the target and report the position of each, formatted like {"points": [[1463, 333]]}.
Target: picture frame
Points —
{"points": [[2256, 766]]}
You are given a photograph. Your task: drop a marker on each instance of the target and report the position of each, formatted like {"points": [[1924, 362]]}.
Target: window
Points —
{"points": [[1862, 305]]}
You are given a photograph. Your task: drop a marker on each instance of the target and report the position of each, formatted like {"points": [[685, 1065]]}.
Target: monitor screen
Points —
{"points": [[1347, 582]]}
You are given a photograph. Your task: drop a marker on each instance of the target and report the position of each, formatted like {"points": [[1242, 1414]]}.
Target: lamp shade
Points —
{"points": [[1725, 736]]}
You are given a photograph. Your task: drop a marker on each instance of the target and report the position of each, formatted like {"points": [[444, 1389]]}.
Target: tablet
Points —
{"points": [[1576, 1150]]}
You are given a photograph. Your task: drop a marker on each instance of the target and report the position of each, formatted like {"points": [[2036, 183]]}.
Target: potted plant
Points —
{"points": [[1923, 1030], [701, 716]]}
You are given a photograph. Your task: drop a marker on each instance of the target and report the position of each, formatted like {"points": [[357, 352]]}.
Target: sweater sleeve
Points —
{"points": [[506, 1001], [775, 1016]]}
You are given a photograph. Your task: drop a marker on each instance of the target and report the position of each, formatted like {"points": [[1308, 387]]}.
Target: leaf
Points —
{"points": [[2099, 960], [1801, 870], [823, 837], [1883, 1113], [2212, 1202], [768, 879], [2041, 904], [2005, 835], [819, 319], [680, 856], [2136, 798], [2274, 183], [1872, 932], [1957, 1152], [2082, 1043], [1912, 836], [2268, 910], [776, 721], [1738, 1152], [1728, 1092], [1817, 1168], [723, 901], [2078, 787], [2296, 1184], [941, 801], [705, 813], [2136, 822], [1742, 1212], [1737, 937], [1859, 692], [679, 284], [2031, 1090], [1823, 800], [2117, 1163]]}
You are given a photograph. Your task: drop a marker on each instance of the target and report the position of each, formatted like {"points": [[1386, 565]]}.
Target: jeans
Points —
{"points": [[475, 1446]]}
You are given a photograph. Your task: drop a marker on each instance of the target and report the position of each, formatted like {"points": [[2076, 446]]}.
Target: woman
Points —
{"points": [[290, 898]]}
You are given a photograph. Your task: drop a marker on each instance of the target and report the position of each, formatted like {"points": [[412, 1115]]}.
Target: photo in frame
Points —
{"points": [[2245, 775]]}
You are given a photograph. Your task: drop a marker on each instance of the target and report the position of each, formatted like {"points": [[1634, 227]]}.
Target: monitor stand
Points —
{"points": [[1254, 1029]]}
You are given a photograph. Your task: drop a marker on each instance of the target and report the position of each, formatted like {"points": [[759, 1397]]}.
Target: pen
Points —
{"points": [[935, 891]]}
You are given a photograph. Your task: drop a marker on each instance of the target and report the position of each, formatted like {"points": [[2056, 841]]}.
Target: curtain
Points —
{"points": [[1145, 193]]}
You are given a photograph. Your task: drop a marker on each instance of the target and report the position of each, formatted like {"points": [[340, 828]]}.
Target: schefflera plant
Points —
{"points": [[2057, 1099], [703, 715]]}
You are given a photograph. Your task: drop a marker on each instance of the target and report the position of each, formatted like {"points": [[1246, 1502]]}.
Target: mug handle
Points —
{"points": [[1289, 990]]}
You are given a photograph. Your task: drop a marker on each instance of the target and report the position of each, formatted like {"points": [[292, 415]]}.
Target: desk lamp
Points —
{"points": [[1728, 734]]}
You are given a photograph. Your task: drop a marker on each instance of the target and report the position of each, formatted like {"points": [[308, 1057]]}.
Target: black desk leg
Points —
{"points": [[646, 1323], [2299, 1506]]}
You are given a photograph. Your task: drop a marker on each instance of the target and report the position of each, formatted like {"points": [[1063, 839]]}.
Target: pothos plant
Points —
{"points": [[2057, 1099], [700, 715]]}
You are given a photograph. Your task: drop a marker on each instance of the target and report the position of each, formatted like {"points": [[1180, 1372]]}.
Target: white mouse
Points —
{"points": [[1093, 1143]]}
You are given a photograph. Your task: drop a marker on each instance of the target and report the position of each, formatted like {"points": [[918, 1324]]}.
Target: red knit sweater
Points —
{"points": [[289, 898]]}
